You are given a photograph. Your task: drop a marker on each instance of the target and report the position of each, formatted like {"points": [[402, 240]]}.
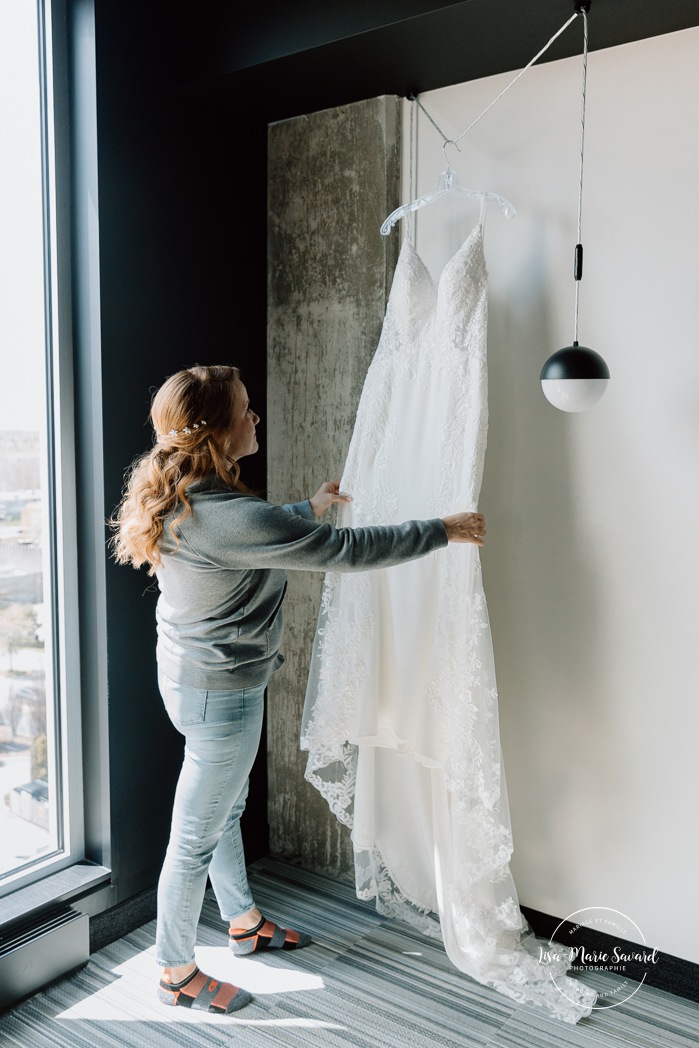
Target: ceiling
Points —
{"points": [[272, 59]]}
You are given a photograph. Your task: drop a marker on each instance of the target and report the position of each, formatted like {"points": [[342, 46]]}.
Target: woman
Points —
{"points": [[220, 554]]}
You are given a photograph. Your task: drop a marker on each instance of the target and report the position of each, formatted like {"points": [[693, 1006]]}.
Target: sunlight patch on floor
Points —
{"points": [[132, 994], [254, 974]]}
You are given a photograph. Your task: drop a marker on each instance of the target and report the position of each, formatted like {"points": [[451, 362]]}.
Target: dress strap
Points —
{"points": [[484, 205]]}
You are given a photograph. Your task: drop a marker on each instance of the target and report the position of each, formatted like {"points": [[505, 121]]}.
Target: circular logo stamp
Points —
{"points": [[627, 961]]}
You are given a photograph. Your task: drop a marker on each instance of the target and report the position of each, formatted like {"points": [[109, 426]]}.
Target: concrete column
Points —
{"points": [[333, 177]]}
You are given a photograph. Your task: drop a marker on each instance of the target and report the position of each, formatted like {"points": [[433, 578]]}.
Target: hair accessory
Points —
{"points": [[185, 429]]}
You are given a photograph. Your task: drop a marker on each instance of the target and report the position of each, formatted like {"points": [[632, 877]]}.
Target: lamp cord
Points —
{"points": [[578, 247]]}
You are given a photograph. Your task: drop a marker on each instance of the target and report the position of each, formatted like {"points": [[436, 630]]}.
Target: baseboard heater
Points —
{"points": [[36, 952]]}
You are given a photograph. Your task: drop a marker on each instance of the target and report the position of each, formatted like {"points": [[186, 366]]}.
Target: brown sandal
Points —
{"points": [[203, 993], [266, 936]]}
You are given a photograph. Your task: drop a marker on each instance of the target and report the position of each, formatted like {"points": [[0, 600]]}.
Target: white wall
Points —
{"points": [[591, 566]]}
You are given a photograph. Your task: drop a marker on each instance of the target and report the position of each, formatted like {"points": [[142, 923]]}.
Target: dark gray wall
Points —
{"points": [[181, 280], [280, 59]]}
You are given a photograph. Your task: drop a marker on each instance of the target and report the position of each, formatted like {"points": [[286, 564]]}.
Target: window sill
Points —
{"points": [[85, 886]]}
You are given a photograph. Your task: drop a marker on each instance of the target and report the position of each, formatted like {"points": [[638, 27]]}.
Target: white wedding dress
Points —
{"points": [[401, 716]]}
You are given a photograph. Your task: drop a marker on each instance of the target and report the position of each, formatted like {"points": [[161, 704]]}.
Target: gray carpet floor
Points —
{"points": [[365, 982]]}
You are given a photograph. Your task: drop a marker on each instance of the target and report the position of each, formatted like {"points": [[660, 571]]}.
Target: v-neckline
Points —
{"points": [[474, 235]]}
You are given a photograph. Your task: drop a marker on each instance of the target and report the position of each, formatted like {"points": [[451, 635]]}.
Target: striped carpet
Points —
{"points": [[365, 982]]}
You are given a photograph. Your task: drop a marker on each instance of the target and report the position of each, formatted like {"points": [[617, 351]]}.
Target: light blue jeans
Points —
{"points": [[222, 734]]}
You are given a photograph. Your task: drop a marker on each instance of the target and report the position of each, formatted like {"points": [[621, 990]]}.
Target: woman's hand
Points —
{"points": [[465, 527], [325, 496]]}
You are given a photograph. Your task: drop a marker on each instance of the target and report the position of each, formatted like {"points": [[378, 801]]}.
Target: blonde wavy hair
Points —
{"points": [[192, 414]]}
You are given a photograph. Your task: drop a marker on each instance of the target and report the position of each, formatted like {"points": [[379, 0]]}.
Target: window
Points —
{"points": [[40, 789]]}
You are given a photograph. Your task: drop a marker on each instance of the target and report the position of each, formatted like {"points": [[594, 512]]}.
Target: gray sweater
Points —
{"points": [[219, 611]]}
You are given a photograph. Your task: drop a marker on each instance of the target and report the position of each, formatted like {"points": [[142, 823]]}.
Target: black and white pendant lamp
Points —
{"points": [[575, 377]]}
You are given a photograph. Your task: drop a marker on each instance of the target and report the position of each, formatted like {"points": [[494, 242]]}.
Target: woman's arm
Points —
{"points": [[245, 532], [461, 527]]}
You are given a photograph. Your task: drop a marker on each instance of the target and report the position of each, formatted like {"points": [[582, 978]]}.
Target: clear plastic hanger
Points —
{"points": [[447, 182]]}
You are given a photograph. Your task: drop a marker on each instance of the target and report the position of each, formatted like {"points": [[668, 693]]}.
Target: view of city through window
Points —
{"points": [[29, 828], [24, 774]]}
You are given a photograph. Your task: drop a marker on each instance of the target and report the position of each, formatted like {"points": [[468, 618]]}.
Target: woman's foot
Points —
{"points": [[265, 935], [180, 972], [249, 920], [201, 992]]}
